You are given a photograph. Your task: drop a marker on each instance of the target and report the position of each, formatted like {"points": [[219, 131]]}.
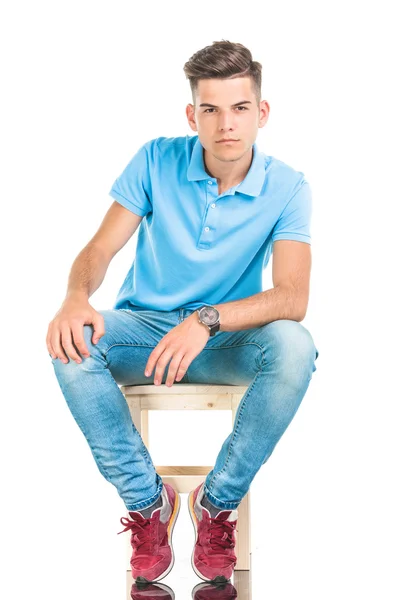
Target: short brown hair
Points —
{"points": [[223, 60]]}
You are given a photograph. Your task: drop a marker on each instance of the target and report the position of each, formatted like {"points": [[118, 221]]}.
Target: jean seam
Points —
{"points": [[130, 346], [263, 363], [144, 450], [235, 431], [238, 346], [140, 346]]}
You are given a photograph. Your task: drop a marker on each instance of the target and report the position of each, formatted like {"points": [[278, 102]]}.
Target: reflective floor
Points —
{"points": [[238, 587]]}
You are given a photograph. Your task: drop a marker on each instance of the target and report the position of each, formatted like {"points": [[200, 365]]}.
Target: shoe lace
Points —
{"points": [[221, 535], [143, 535]]}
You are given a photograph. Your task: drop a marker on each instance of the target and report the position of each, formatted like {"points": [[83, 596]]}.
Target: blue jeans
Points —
{"points": [[275, 361]]}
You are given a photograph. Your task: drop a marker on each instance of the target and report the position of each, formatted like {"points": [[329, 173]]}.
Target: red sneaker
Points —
{"points": [[151, 538], [213, 556]]}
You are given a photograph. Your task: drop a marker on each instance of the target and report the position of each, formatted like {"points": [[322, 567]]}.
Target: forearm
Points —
{"points": [[260, 309], [87, 271]]}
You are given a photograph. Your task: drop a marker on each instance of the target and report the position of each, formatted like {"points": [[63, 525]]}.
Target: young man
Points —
{"points": [[192, 308]]}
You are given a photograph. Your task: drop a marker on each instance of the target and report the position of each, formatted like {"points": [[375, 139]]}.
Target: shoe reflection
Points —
{"points": [[148, 591], [202, 591], [214, 591]]}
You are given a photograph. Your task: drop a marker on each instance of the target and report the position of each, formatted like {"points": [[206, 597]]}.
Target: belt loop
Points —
{"points": [[181, 310]]}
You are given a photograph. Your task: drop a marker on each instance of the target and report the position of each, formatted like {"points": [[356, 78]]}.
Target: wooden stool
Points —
{"points": [[142, 398]]}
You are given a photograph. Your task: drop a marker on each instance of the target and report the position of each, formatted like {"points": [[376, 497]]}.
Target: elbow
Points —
{"points": [[299, 318], [300, 312]]}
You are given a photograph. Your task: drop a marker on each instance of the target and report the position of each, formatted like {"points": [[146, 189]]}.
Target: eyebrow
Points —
{"points": [[213, 105]]}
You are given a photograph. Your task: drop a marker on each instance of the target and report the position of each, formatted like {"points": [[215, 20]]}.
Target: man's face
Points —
{"points": [[234, 114]]}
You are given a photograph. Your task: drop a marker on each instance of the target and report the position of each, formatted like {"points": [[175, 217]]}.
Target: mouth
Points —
{"points": [[227, 141]]}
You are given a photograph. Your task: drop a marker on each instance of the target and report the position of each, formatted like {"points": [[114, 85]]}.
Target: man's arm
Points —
{"points": [[65, 331], [288, 299], [91, 264]]}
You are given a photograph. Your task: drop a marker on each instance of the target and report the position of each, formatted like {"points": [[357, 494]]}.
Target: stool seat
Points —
{"points": [[190, 396]]}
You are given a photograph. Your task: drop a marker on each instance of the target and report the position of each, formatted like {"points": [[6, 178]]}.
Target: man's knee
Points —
{"points": [[95, 351], [291, 340]]}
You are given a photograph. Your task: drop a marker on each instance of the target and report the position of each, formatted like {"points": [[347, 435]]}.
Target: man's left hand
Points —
{"points": [[183, 343]]}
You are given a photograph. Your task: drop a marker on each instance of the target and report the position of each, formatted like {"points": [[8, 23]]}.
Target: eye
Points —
{"points": [[243, 107]]}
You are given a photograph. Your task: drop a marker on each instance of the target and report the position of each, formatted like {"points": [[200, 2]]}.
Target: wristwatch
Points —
{"points": [[209, 316]]}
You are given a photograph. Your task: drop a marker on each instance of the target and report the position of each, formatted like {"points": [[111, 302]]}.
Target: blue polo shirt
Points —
{"points": [[196, 246]]}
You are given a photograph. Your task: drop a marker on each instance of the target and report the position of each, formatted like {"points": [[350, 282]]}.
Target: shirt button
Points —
{"points": [[213, 205], [210, 183], [206, 229]]}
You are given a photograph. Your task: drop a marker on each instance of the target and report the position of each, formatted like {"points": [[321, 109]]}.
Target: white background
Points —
{"points": [[84, 85]]}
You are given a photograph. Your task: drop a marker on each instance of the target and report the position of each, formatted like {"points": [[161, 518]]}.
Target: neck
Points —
{"points": [[229, 173]]}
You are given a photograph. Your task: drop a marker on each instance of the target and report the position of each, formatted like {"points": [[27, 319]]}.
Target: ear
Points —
{"points": [[264, 113], [191, 117]]}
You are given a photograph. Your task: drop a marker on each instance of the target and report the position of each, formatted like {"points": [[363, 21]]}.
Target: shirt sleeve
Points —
{"points": [[295, 221], [132, 188]]}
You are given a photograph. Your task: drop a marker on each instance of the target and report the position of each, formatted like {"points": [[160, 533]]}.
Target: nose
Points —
{"points": [[226, 121]]}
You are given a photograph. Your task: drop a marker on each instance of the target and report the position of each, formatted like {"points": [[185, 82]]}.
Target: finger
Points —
{"points": [[48, 343], [56, 343], [153, 358], [183, 367], [79, 341], [174, 367], [161, 364], [98, 326], [67, 344], [51, 351], [186, 361]]}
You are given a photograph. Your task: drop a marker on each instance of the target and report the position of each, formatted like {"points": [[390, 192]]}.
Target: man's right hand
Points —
{"points": [[66, 329]]}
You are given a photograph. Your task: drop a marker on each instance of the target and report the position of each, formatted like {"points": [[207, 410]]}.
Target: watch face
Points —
{"points": [[209, 315]]}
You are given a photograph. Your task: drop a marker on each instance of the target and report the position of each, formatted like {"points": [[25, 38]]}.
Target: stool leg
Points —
{"points": [[243, 543]]}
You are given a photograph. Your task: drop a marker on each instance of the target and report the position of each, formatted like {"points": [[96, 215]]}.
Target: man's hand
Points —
{"points": [[66, 329], [183, 343]]}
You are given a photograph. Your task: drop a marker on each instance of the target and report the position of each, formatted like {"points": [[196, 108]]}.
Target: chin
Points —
{"points": [[229, 153]]}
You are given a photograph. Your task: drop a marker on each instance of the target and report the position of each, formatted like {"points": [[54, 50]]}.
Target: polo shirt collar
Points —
{"points": [[251, 185]]}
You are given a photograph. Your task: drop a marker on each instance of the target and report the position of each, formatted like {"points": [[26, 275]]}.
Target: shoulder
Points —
{"points": [[173, 147], [282, 176]]}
